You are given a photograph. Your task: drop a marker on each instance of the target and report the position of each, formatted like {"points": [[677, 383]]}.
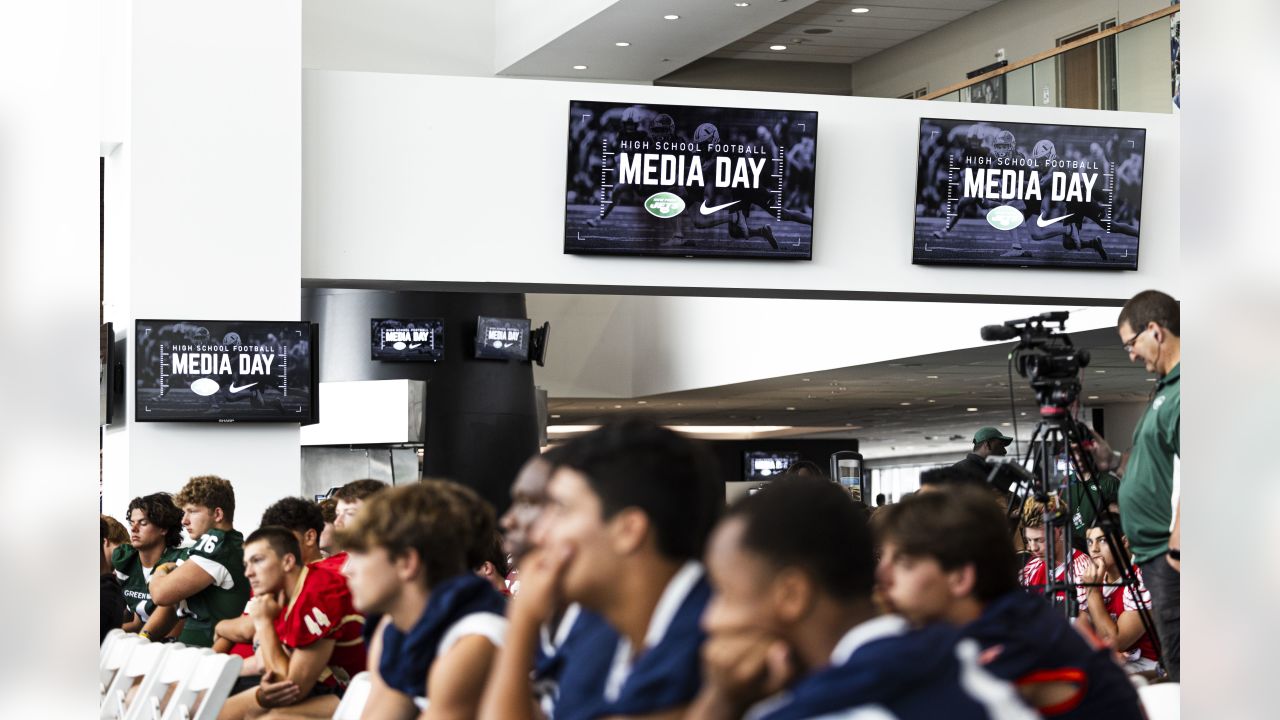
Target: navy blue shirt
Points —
{"points": [[1024, 639], [571, 669]]}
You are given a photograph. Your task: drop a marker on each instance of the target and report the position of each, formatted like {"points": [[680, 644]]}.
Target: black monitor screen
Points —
{"points": [[502, 338], [407, 340], [764, 465], [690, 181], [1028, 195], [224, 371]]}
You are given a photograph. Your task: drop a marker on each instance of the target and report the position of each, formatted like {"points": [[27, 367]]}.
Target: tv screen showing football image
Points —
{"points": [[689, 181], [1028, 195], [406, 340], [223, 371]]}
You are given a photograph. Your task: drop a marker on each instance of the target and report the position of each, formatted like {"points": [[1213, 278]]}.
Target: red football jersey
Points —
{"points": [[1118, 603], [322, 608], [1034, 575], [333, 562]]}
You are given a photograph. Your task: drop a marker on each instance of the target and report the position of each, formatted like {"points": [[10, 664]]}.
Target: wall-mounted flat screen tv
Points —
{"points": [[502, 338], [407, 340], [689, 181], [225, 371], [1028, 195], [765, 465]]}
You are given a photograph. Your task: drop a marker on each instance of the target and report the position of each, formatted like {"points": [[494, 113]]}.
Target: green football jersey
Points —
{"points": [[221, 554], [135, 578]]}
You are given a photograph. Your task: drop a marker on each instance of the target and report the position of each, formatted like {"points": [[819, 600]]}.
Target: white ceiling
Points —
{"points": [[826, 31]]}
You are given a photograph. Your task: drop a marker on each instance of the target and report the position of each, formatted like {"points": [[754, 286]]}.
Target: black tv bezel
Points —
{"points": [[564, 231], [746, 463], [373, 341], [477, 344], [1137, 251], [107, 381], [310, 419]]}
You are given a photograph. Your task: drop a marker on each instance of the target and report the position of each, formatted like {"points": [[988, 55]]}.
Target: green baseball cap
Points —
{"points": [[990, 433]]}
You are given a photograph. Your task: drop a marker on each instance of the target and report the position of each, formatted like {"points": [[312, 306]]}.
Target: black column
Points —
{"points": [[481, 416]]}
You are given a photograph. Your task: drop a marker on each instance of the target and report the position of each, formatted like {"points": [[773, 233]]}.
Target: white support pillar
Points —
{"points": [[203, 218]]}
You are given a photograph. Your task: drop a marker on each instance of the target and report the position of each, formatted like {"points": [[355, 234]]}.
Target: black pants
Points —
{"points": [[1164, 582]]}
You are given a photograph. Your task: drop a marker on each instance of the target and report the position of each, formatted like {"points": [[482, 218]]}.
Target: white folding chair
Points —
{"points": [[144, 661], [1162, 701], [115, 660], [354, 698], [110, 640], [202, 695], [177, 668]]}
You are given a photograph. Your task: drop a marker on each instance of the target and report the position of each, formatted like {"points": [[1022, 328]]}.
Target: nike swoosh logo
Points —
{"points": [[233, 389], [708, 210], [1046, 223], [414, 345]]}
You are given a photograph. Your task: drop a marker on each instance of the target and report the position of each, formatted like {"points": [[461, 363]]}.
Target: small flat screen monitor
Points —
{"points": [[407, 340], [765, 465], [225, 371], [689, 181], [502, 338], [1028, 195]]}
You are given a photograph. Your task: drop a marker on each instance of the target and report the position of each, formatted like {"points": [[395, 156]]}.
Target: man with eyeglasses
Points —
{"points": [[1149, 494]]}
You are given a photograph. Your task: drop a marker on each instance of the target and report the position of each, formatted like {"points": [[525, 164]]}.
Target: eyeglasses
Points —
{"points": [[1128, 344]]}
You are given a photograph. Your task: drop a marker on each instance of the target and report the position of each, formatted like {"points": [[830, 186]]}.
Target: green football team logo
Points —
{"points": [[664, 205]]}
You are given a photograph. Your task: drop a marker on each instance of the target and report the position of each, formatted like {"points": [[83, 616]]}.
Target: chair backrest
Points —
{"points": [[355, 697], [143, 662], [112, 635], [117, 655], [202, 695], [176, 669], [1162, 701]]}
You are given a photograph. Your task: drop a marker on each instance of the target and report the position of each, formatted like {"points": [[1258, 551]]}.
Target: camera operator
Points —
{"points": [[1149, 494]]}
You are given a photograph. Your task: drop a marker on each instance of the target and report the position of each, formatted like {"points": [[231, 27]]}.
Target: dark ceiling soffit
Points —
{"points": [[773, 293]]}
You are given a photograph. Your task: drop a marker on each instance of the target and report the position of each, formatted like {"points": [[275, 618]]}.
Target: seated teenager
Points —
{"points": [[946, 556], [441, 626], [207, 584], [111, 607], [792, 618], [329, 510], [155, 531], [305, 626], [350, 497], [1112, 613], [630, 507], [1035, 574], [569, 632]]}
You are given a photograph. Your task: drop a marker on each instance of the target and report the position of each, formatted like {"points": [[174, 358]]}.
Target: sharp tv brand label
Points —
{"points": [[223, 371], [407, 340], [1026, 194], [689, 181]]}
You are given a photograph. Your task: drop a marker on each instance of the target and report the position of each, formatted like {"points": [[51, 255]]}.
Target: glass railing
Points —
{"points": [[1126, 67]]}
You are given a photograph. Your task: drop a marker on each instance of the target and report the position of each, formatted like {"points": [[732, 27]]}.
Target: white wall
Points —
{"points": [[523, 26], [401, 36], [454, 181], [203, 213], [1022, 27]]}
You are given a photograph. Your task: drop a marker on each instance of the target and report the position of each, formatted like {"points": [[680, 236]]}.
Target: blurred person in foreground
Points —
{"points": [[1149, 495], [946, 556], [111, 610], [793, 631]]}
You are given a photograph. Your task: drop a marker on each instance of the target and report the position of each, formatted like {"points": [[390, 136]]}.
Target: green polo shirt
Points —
{"points": [[1103, 489], [1146, 493]]}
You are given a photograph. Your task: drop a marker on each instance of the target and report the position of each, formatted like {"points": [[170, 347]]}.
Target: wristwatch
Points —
{"points": [[1175, 554]]}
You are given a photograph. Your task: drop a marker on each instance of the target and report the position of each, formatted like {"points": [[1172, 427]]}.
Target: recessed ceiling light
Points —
{"points": [[971, 409], [579, 67], [933, 401], [904, 403], [555, 417], [1101, 372], [859, 11], [741, 4], [791, 408], [623, 44], [1004, 424], [931, 377], [1151, 379], [804, 379], [642, 402], [670, 17], [617, 407], [1093, 397], [777, 47]]}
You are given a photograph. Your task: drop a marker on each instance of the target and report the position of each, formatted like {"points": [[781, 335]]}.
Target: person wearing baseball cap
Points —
{"points": [[987, 442]]}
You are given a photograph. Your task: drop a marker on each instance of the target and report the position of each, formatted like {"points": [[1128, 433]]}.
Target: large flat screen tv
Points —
{"points": [[689, 181], [419, 340], [1028, 195], [225, 371], [765, 465]]}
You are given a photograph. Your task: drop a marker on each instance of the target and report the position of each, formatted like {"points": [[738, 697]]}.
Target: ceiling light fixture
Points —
{"points": [[1004, 424], [971, 409], [931, 377], [1093, 397], [741, 4], [859, 11], [904, 403], [623, 44], [579, 67], [670, 17], [642, 402], [791, 408], [777, 47]]}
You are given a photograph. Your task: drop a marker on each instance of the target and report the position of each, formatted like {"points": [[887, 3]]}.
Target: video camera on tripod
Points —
{"points": [[1046, 358]]}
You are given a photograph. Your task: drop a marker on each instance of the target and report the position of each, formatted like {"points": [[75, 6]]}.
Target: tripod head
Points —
{"points": [[1047, 358]]}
